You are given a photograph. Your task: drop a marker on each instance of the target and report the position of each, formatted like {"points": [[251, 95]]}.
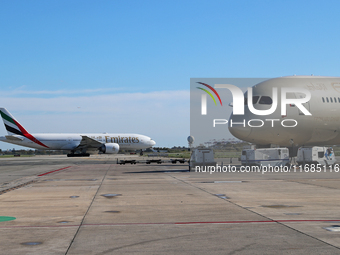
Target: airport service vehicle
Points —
{"points": [[265, 157], [321, 128], [81, 144], [202, 157], [316, 155]]}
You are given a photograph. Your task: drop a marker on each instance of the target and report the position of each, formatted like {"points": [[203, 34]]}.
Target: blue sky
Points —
{"points": [[76, 60]]}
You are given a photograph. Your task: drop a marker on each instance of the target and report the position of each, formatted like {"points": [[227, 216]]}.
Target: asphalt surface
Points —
{"points": [[95, 206]]}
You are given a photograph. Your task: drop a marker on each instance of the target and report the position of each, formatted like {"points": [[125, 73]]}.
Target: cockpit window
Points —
{"points": [[265, 100], [255, 99]]}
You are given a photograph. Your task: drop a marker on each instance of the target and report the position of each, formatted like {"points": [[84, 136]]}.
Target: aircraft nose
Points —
{"points": [[239, 128], [240, 132], [152, 142]]}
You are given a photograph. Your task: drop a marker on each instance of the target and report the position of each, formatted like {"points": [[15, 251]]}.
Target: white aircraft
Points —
{"points": [[81, 143], [294, 129]]}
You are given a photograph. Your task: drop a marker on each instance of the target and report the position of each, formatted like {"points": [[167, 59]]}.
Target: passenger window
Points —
{"points": [[244, 153], [331, 100], [320, 154], [327, 99], [323, 100], [265, 100], [339, 99]]}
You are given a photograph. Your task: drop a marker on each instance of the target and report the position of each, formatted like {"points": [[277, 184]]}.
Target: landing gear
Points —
{"points": [[141, 153], [78, 155]]}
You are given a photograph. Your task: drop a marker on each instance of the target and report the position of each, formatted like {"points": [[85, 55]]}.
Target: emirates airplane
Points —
{"points": [[319, 125], [78, 144]]}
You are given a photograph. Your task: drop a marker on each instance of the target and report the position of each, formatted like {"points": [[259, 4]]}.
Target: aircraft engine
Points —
{"points": [[109, 148]]}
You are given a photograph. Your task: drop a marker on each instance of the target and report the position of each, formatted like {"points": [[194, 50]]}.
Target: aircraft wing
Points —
{"points": [[88, 143]]}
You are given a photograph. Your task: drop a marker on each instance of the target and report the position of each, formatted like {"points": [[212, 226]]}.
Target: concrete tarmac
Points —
{"points": [[94, 206]]}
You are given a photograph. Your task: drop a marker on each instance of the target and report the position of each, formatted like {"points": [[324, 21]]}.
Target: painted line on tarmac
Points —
{"points": [[54, 171], [173, 223], [6, 218]]}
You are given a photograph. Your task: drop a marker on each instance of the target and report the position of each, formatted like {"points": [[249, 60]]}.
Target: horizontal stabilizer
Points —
{"points": [[13, 138]]}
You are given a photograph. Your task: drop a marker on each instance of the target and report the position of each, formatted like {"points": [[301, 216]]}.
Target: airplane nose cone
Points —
{"points": [[239, 128], [152, 143], [240, 132]]}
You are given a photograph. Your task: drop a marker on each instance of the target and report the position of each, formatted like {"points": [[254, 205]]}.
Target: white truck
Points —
{"points": [[265, 157], [201, 157], [316, 155]]}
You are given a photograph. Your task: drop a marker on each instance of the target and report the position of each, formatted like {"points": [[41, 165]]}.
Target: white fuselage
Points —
{"points": [[71, 141], [320, 128]]}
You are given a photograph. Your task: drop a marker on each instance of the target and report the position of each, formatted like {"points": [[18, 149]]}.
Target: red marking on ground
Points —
{"points": [[210, 222], [255, 221], [54, 171]]}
